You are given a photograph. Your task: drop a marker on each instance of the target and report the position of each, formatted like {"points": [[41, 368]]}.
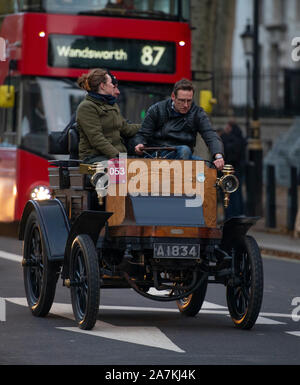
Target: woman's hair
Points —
{"points": [[92, 80]]}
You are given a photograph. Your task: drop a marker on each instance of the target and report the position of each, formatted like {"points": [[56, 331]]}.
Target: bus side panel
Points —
{"points": [[32, 171], [7, 183]]}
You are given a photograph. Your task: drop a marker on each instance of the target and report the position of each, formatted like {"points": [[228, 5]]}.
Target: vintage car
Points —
{"points": [[139, 223]]}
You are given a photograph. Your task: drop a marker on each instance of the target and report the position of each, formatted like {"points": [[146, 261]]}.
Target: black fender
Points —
{"points": [[235, 228], [89, 222], [54, 226]]}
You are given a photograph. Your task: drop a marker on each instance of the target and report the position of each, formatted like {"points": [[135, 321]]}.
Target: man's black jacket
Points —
{"points": [[163, 126]]}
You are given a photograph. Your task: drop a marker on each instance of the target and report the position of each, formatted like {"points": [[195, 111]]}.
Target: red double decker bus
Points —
{"points": [[49, 43]]}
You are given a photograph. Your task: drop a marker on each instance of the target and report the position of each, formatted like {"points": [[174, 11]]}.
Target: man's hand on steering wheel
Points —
{"points": [[219, 161], [139, 149]]}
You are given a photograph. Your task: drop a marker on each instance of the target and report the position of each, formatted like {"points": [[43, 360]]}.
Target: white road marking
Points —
{"points": [[59, 309], [206, 305], [268, 321], [144, 335], [17, 300], [297, 334], [149, 336], [265, 321], [210, 305], [10, 256], [23, 302]]}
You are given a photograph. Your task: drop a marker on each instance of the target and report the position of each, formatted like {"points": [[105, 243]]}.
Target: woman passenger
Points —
{"points": [[99, 121]]}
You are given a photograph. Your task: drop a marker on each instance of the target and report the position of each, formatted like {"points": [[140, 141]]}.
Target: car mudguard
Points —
{"points": [[54, 225], [88, 222], [236, 227]]}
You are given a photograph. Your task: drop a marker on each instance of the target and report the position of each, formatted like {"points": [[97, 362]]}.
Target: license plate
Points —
{"points": [[168, 250]]}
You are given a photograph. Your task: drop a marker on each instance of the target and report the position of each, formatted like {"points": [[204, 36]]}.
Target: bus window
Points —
{"points": [[47, 106], [162, 9], [165, 6], [33, 123], [8, 119], [135, 99], [31, 5], [49, 103], [65, 96]]}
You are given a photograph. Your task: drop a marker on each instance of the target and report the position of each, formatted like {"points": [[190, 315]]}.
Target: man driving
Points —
{"points": [[175, 122]]}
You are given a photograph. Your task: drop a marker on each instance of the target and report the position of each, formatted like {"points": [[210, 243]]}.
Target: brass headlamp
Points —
{"points": [[228, 182]]}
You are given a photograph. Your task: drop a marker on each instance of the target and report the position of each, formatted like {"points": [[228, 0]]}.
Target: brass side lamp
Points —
{"points": [[228, 182]]}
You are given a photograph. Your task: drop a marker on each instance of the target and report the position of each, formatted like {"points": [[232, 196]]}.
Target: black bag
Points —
{"points": [[66, 141], [63, 140]]}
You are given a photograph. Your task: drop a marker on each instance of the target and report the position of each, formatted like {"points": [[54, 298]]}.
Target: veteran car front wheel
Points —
{"points": [[245, 291], [85, 281], [40, 275]]}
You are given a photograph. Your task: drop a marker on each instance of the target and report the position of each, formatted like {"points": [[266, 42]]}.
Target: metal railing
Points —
{"points": [[279, 95]]}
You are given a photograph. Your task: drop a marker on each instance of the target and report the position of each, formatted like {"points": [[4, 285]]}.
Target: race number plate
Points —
{"points": [[169, 250], [117, 170]]}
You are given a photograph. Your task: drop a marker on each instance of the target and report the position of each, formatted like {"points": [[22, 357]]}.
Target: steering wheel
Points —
{"points": [[155, 151]]}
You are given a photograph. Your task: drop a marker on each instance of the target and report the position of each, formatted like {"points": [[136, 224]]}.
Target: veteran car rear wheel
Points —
{"points": [[191, 305], [245, 292], [85, 281], [40, 275]]}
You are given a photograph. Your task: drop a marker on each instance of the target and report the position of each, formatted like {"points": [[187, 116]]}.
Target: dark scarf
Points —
{"points": [[103, 98]]}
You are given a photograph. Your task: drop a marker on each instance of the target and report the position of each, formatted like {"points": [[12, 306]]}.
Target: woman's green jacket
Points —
{"points": [[101, 127]]}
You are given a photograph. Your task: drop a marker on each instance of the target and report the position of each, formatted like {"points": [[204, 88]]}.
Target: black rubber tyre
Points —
{"points": [[85, 281], [40, 275], [191, 305], [244, 298]]}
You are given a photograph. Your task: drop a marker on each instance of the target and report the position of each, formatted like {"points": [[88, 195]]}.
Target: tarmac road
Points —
{"points": [[132, 330]]}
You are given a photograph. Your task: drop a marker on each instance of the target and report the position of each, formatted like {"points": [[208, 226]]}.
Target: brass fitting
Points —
{"points": [[228, 182], [98, 171]]}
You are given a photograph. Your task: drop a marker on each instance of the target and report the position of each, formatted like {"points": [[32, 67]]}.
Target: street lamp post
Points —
{"points": [[254, 179], [247, 40], [255, 152]]}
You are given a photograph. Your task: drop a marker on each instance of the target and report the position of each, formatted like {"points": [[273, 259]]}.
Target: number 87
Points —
{"points": [[147, 57]]}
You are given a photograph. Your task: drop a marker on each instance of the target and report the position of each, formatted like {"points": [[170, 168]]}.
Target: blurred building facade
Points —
{"points": [[217, 48], [279, 73]]}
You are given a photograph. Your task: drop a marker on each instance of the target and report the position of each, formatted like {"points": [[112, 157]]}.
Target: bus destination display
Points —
{"points": [[69, 51]]}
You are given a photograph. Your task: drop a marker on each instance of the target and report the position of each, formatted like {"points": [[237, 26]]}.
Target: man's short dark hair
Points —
{"points": [[183, 84]]}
